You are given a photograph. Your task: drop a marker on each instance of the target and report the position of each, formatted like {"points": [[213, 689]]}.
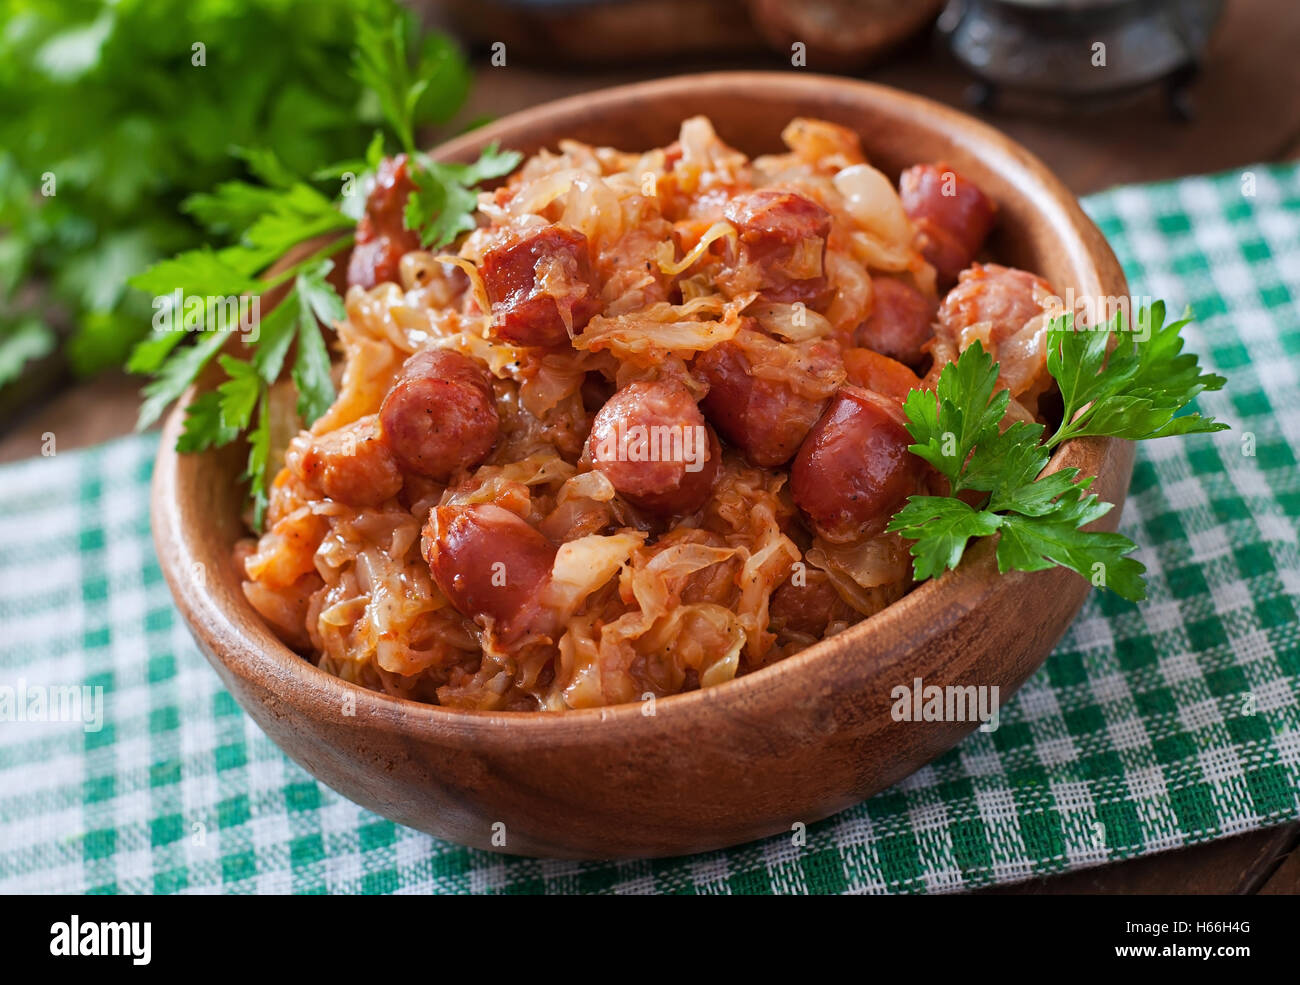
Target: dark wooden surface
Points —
{"points": [[1247, 111]]}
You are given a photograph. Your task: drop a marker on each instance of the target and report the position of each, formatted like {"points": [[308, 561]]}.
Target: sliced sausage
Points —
{"points": [[492, 566], [352, 464], [950, 212], [808, 609], [651, 442], [382, 237], [901, 321], [763, 415], [541, 286], [1004, 297], [854, 471], [782, 246], [439, 417], [870, 370], [1002, 307]]}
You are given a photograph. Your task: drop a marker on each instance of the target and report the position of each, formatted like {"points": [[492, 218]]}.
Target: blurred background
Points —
{"points": [[112, 113]]}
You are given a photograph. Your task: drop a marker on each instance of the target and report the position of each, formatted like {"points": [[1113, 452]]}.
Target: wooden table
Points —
{"points": [[1247, 111]]}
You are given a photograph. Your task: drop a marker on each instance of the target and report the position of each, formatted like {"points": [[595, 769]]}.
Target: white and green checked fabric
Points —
{"points": [[1151, 727]]}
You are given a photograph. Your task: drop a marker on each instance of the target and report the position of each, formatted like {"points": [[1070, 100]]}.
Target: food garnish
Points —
{"points": [[1132, 391], [269, 218]]}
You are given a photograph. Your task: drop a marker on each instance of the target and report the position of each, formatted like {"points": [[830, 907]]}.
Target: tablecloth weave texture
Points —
{"points": [[1152, 726]]}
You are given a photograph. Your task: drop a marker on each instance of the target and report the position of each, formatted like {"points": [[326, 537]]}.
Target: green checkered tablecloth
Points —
{"points": [[1151, 727]]}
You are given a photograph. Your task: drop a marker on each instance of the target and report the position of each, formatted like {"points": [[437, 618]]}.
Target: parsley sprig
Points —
{"points": [[443, 203], [1132, 390], [266, 219]]}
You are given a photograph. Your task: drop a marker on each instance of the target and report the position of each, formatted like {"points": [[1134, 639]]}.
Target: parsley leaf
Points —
{"points": [[259, 454], [311, 370], [176, 374], [380, 64], [963, 409], [238, 395], [119, 103], [29, 339], [266, 165], [1008, 459], [275, 333], [444, 201], [940, 527], [196, 273], [203, 428], [264, 222], [434, 90], [318, 295], [1037, 543], [1131, 390]]}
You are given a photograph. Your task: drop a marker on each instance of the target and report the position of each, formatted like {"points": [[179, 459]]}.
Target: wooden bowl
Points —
{"points": [[794, 742]]}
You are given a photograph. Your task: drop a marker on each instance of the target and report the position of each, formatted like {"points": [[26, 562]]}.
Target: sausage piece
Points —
{"points": [[951, 213], [439, 416], [808, 609], [352, 464], [782, 246], [870, 370], [766, 418], [651, 442], [854, 471], [382, 236], [1004, 297], [900, 323], [492, 566], [1000, 306], [541, 286]]}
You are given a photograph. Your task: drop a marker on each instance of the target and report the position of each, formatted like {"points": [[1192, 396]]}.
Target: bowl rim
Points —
{"points": [[934, 606]]}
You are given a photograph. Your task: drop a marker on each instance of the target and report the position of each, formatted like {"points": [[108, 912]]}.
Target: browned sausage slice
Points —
{"points": [[541, 285], [352, 464], [808, 609], [382, 236], [1002, 307], [854, 471], [782, 246], [439, 417], [1004, 297], [651, 442], [766, 418], [951, 213], [492, 566], [901, 321]]}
